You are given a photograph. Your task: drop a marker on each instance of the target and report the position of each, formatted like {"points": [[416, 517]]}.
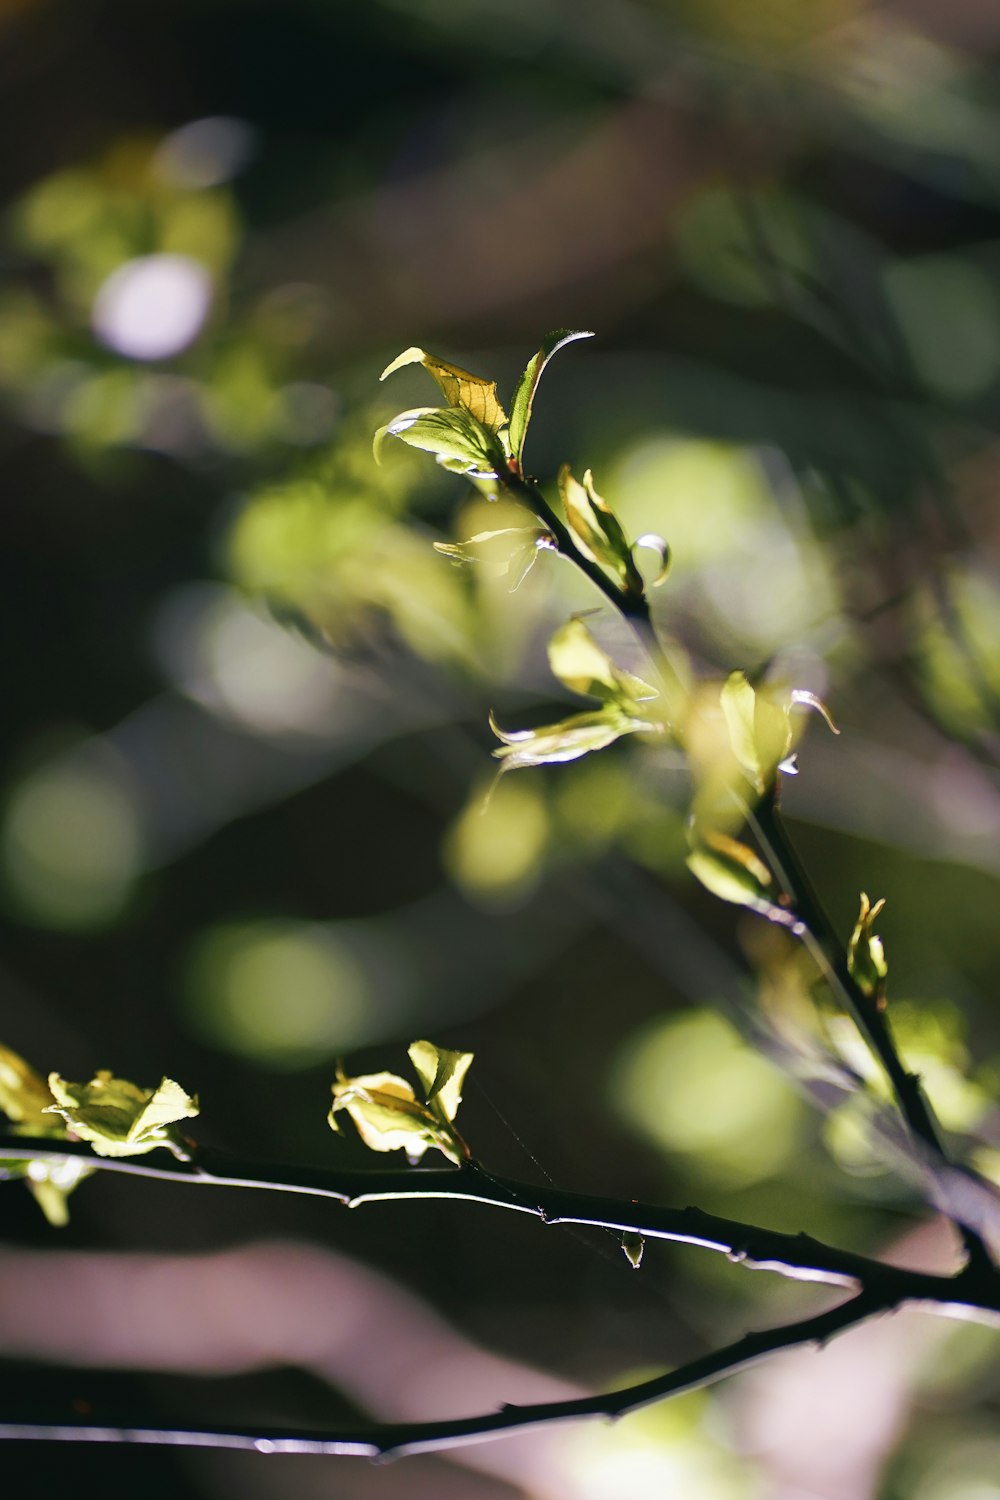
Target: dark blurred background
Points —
{"points": [[245, 743]]}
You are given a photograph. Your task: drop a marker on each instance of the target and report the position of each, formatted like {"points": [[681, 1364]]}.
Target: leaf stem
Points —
{"points": [[631, 604]]}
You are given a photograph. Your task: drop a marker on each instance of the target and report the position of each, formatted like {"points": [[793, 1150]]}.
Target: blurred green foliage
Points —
{"points": [[246, 763]]}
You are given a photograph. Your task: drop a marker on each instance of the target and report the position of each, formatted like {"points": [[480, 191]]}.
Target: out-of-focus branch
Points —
{"points": [[399, 1439]]}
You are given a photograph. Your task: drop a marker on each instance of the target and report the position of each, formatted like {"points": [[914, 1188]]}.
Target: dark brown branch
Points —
{"points": [[395, 1440], [797, 1256]]}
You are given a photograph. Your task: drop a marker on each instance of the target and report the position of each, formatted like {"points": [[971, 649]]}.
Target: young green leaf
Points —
{"points": [[388, 1116], [865, 953], [120, 1119], [596, 529], [566, 740], [26, 1100], [51, 1182], [585, 667], [442, 1074], [759, 731], [731, 871], [468, 392], [524, 395], [25, 1097], [458, 440], [763, 732]]}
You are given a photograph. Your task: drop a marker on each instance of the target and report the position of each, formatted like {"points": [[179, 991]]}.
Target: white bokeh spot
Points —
{"points": [[153, 307]]}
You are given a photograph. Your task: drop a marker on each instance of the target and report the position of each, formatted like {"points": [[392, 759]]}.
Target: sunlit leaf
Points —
{"points": [[25, 1097], [596, 529], [442, 1073], [388, 1116], [566, 740], [51, 1182], [759, 731], [458, 440], [120, 1119], [585, 667], [865, 953], [468, 392], [524, 396], [732, 871]]}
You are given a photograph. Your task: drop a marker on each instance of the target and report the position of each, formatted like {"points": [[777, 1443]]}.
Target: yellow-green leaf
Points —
{"points": [[596, 529], [524, 396], [51, 1182], [442, 1073], [471, 392], [388, 1116], [865, 953], [732, 871], [567, 740], [120, 1119], [760, 731], [25, 1098], [457, 439], [585, 667]]}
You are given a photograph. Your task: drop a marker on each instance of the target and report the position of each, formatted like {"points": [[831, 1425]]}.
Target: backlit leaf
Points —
{"points": [[442, 1073], [865, 953], [388, 1116], [760, 731], [51, 1182], [25, 1097], [596, 529], [524, 395], [460, 388], [585, 667], [457, 439], [732, 871], [120, 1119], [566, 740]]}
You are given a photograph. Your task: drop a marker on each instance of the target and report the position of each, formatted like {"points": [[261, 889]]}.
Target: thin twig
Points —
{"points": [[815, 929]]}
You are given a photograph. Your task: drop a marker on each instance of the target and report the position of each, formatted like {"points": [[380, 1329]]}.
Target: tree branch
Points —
{"points": [[797, 1256], [813, 926], [395, 1440]]}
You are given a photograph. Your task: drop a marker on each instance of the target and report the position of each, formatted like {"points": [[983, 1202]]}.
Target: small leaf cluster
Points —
{"points": [[584, 667], [388, 1115], [473, 435], [116, 1118]]}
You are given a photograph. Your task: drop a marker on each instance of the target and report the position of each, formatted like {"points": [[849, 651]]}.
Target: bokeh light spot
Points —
{"points": [[153, 307], [690, 1085], [72, 843], [283, 993]]}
